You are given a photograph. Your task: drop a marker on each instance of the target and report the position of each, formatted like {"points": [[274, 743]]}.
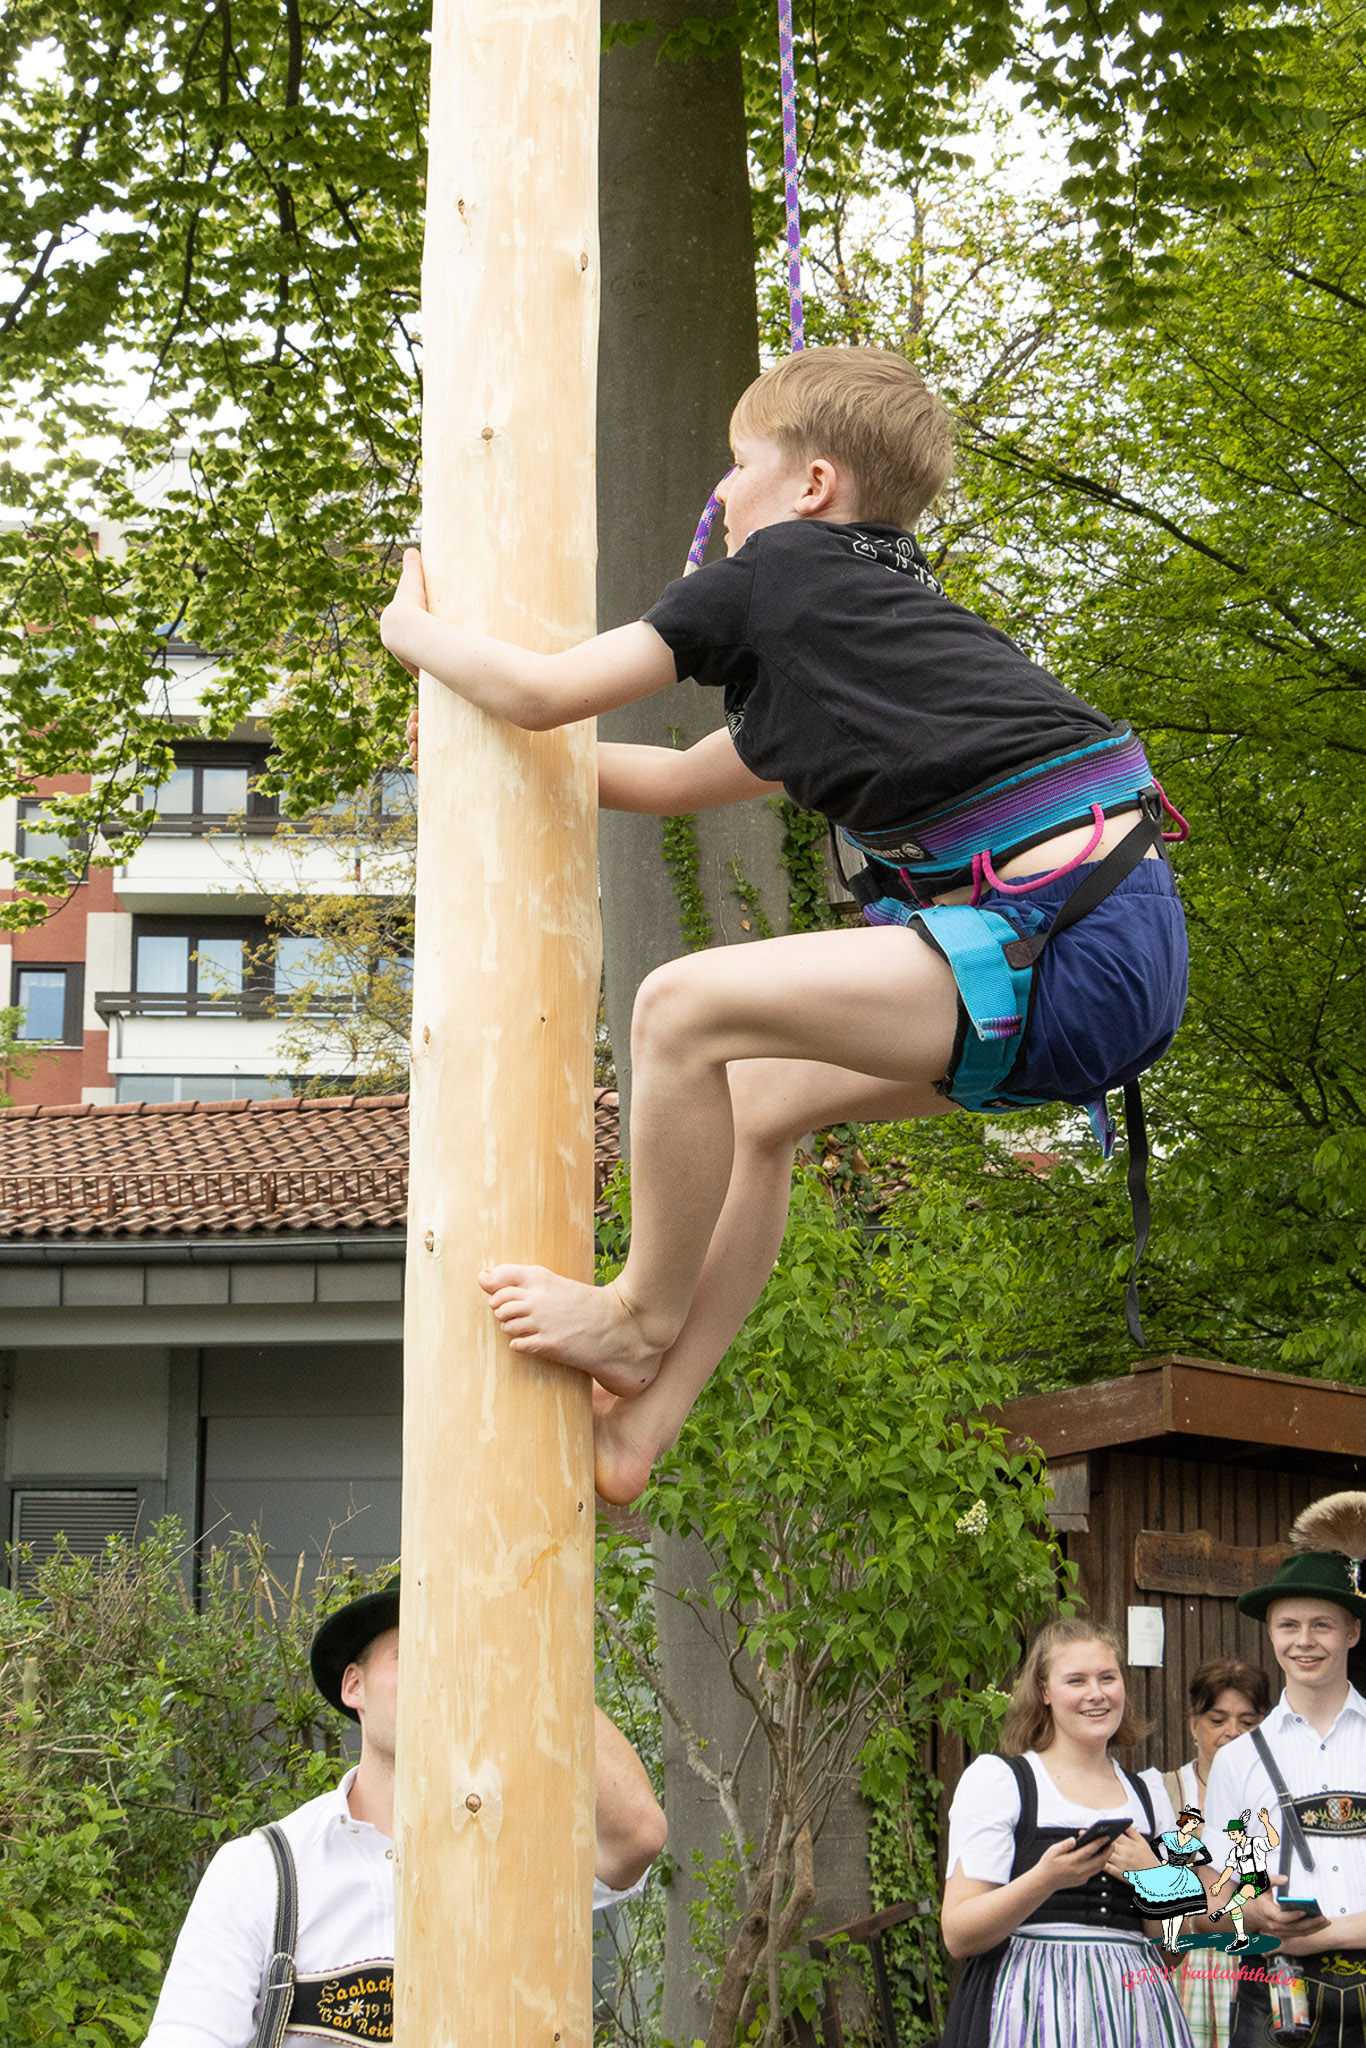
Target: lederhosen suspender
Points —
{"points": [[1292, 1834], [280, 1975]]}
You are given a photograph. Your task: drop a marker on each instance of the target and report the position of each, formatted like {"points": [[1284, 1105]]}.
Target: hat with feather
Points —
{"points": [[1328, 1562]]}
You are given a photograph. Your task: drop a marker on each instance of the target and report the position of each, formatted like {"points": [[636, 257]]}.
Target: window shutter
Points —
{"points": [[87, 1518]]}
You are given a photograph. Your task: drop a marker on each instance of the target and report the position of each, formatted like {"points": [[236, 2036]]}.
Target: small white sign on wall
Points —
{"points": [[1146, 1636]]}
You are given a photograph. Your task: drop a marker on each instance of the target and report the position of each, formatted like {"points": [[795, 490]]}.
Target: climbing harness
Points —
{"points": [[993, 965]]}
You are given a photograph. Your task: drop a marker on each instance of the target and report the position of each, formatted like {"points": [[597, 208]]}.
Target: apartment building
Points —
{"points": [[161, 979]]}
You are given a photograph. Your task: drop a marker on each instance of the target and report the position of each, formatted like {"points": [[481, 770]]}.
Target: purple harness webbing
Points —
{"points": [[965, 837], [792, 207]]}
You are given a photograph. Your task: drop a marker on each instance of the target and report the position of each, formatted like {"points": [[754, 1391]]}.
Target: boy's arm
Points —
{"points": [[535, 691], [664, 781], [628, 1820]]}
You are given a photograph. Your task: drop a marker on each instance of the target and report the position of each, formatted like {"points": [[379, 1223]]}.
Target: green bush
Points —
{"points": [[877, 1555], [140, 1727]]}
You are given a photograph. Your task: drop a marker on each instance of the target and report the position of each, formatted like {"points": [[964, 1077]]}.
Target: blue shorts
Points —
{"points": [[1107, 994]]}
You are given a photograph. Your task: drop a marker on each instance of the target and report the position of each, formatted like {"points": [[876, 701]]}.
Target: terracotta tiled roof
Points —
{"points": [[208, 1168], [142, 1169]]}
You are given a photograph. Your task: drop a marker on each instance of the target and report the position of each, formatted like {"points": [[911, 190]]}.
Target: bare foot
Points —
{"points": [[569, 1323], [623, 1452]]}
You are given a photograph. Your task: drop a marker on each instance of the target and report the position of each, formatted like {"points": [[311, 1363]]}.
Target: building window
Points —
{"points": [[396, 793], [203, 960], [391, 797], [216, 784], [199, 1088], [302, 962], [37, 839], [49, 998], [178, 964]]}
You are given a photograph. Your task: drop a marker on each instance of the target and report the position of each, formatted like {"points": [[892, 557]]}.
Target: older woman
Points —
{"points": [[1226, 1699], [1055, 1945]]}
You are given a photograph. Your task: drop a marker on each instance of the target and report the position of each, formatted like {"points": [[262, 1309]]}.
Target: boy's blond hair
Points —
{"points": [[864, 408]]}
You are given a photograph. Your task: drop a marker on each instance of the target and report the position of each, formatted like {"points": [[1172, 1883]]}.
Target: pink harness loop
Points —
{"points": [[984, 874], [1179, 837]]}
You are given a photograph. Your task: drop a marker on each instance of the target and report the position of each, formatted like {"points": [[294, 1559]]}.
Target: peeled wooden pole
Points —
{"points": [[494, 1821]]}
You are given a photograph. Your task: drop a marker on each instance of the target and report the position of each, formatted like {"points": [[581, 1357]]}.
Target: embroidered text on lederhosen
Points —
{"points": [[346, 2005], [1331, 1813]]}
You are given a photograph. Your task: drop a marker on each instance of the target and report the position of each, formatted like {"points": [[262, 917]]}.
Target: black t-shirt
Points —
{"points": [[854, 681]]}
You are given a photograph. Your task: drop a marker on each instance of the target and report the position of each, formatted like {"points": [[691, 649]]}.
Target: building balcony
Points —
{"points": [[243, 1033], [240, 1003], [188, 864], [201, 825]]}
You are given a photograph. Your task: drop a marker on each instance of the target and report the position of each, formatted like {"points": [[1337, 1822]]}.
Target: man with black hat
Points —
{"points": [[1308, 1758], [341, 1845]]}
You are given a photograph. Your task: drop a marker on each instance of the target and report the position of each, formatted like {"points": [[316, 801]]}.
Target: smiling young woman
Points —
{"points": [[1053, 1938]]}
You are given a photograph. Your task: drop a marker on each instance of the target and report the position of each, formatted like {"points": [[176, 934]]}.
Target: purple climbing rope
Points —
{"points": [[791, 194], [792, 208]]}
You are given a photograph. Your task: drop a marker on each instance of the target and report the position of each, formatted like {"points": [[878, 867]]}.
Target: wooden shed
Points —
{"points": [[1173, 1491]]}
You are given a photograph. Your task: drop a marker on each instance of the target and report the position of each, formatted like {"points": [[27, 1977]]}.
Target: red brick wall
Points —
{"points": [[60, 1077]]}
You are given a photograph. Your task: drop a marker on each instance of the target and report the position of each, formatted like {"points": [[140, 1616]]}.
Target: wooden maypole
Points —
{"points": [[494, 1822]]}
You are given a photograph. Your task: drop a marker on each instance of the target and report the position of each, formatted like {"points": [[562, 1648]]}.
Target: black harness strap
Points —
{"points": [[1292, 1834], [280, 1976], [1140, 1201]]}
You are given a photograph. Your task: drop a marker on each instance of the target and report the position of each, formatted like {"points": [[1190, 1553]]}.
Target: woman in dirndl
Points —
{"points": [[1054, 1940]]}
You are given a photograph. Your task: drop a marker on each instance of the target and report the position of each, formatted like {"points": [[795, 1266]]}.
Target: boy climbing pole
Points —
{"points": [[1024, 942]]}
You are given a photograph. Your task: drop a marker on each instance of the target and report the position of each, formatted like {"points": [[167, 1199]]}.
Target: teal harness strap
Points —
{"points": [[994, 993]]}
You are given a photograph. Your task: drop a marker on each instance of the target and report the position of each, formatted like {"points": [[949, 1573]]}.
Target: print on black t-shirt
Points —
{"points": [[870, 696]]}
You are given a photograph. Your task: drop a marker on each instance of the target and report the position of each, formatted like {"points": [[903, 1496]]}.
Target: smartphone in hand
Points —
{"points": [[1103, 1831]]}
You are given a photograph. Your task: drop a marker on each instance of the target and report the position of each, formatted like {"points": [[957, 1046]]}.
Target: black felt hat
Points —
{"points": [[1330, 1550], [344, 1635]]}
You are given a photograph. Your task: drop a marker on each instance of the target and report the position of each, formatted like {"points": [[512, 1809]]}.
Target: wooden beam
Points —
{"points": [[1250, 1372], [1261, 1408], [1078, 1419], [1187, 1397], [494, 1823]]}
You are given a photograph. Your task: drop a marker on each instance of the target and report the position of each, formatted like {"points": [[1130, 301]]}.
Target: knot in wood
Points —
{"points": [[430, 1240], [474, 1802], [487, 434]]}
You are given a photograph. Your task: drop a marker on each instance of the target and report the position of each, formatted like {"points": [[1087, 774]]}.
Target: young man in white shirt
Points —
{"points": [[342, 1846], [1315, 1737]]}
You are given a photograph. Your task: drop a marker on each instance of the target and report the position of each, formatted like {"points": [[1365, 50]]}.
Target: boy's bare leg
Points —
{"points": [[776, 1102], [878, 1001]]}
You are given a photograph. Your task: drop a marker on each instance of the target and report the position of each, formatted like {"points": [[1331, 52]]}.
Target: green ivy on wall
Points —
{"points": [[809, 909], [678, 839], [751, 901]]}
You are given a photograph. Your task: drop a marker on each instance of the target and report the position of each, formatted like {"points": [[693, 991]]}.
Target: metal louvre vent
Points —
{"points": [[86, 1518]]}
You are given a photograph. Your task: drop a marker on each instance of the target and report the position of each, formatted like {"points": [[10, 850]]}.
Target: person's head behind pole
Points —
{"points": [[354, 1661]]}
